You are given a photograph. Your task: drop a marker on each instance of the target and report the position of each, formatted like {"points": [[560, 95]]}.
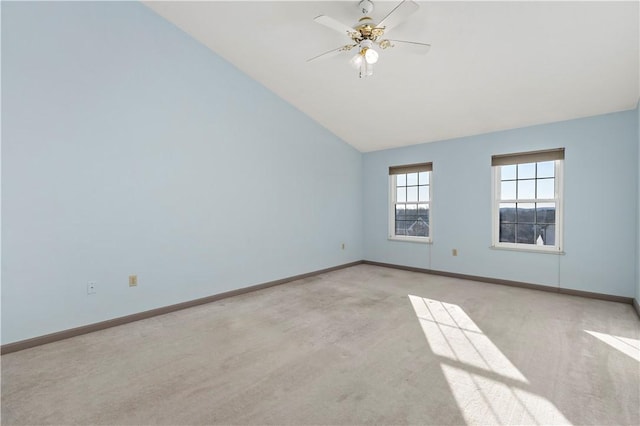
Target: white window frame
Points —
{"points": [[558, 200], [392, 213]]}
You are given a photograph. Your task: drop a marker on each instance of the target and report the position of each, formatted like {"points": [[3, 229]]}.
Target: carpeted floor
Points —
{"points": [[356, 346]]}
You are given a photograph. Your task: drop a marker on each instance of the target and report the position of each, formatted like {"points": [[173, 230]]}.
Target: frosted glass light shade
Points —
{"points": [[366, 69], [371, 56], [357, 61]]}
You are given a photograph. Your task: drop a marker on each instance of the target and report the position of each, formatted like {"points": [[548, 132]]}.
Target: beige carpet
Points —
{"points": [[361, 345]]}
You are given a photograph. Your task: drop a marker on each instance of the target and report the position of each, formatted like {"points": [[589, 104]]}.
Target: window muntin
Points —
{"points": [[527, 201], [410, 202]]}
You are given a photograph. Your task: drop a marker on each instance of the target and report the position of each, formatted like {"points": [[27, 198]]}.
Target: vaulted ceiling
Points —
{"points": [[492, 65]]}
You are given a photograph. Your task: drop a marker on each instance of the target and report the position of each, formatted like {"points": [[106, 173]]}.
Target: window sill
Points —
{"points": [[524, 248], [419, 240]]}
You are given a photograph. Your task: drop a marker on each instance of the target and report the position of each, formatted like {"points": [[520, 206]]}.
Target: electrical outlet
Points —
{"points": [[133, 280], [454, 252], [342, 246], [91, 287]]}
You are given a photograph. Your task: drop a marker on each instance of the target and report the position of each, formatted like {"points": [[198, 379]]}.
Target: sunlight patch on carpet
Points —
{"points": [[486, 385], [626, 345]]}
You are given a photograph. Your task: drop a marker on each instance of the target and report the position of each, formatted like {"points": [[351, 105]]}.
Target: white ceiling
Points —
{"points": [[492, 65]]}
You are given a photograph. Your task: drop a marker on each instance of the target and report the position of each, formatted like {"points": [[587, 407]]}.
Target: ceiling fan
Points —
{"points": [[366, 34]]}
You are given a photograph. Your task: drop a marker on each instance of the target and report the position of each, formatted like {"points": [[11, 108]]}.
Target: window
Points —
{"points": [[527, 204], [410, 202]]}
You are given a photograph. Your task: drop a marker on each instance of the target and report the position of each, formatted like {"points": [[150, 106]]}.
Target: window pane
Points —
{"points": [[411, 212], [508, 212], [508, 172], [401, 194], [508, 190], [526, 213], [546, 213], [412, 178], [547, 234], [525, 233], [411, 207], [423, 193], [423, 178], [401, 227], [546, 188], [423, 212], [546, 169], [521, 218], [418, 228], [412, 193], [526, 189], [527, 171], [507, 233]]}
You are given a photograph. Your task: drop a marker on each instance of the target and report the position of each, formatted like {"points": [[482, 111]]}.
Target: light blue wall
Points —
{"points": [[601, 174], [638, 221], [129, 148]]}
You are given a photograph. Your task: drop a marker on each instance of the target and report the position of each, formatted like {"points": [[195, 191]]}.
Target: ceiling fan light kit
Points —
{"points": [[366, 34]]}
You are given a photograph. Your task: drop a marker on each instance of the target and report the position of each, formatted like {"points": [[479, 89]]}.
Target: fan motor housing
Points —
{"points": [[367, 29]]}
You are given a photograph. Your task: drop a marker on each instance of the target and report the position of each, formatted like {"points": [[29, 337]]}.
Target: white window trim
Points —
{"points": [[558, 200], [392, 214]]}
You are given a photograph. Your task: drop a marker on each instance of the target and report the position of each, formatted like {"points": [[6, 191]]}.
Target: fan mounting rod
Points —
{"points": [[366, 7]]}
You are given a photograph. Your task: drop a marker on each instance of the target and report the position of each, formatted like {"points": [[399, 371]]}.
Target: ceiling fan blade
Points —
{"points": [[414, 46], [335, 25], [333, 52], [399, 13]]}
